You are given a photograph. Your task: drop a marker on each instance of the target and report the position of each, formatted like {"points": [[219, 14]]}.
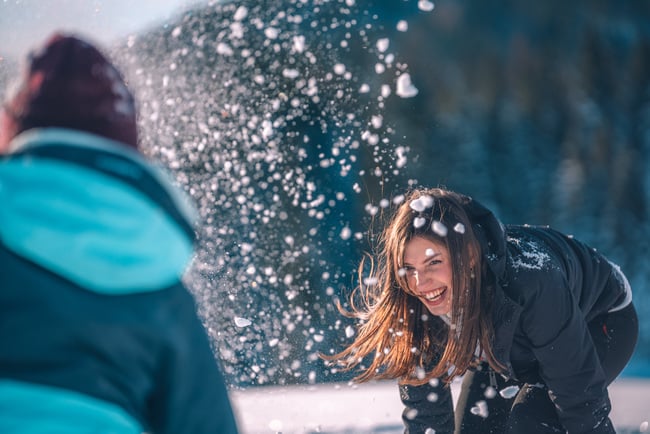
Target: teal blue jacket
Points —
{"points": [[97, 332]]}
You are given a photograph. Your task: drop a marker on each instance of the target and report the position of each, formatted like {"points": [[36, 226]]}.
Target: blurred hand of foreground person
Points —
{"points": [[98, 332]]}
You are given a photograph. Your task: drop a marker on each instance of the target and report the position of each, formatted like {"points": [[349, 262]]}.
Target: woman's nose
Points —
{"points": [[420, 278]]}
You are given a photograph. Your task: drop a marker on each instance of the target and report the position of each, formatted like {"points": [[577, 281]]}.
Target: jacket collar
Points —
{"points": [[490, 233]]}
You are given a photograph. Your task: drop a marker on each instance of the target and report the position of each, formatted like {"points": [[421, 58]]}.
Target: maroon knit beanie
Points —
{"points": [[68, 83]]}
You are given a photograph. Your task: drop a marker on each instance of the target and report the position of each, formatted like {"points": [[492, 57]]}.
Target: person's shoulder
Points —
{"points": [[531, 250], [534, 266]]}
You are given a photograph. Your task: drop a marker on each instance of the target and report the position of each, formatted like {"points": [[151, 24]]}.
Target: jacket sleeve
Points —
{"points": [[191, 396], [568, 362], [427, 408]]}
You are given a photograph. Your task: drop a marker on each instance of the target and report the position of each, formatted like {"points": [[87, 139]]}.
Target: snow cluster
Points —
{"points": [[532, 255], [270, 123]]}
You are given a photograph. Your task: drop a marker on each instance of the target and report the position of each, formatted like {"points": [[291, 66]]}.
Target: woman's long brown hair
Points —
{"points": [[404, 340]]}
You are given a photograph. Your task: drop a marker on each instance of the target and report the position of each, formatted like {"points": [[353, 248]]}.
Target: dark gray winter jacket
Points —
{"points": [[548, 287]]}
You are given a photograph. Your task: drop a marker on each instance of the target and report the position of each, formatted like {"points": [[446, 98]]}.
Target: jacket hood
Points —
{"points": [[505, 312], [490, 233], [93, 211]]}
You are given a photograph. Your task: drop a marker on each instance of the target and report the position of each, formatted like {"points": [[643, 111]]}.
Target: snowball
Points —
{"points": [[371, 138], [490, 392], [421, 203], [405, 88], [480, 409], [299, 43], [411, 414], [271, 32], [401, 156], [425, 5], [224, 49], [290, 73], [385, 91], [402, 25], [509, 392], [382, 44], [439, 228], [460, 228], [237, 32], [418, 222], [240, 13], [242, 322]]}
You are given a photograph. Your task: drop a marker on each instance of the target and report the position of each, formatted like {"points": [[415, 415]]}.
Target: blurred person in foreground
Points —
{"points": [[537, 323], [97, 332]]}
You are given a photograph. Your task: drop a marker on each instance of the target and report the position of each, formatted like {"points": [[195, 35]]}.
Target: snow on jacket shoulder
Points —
{"points": [[98, 333]]}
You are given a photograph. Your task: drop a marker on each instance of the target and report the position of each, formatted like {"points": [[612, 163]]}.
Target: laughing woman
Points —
{"points": [[537, 323]]}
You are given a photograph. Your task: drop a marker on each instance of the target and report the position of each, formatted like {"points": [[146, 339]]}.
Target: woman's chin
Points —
{"points": [[438, 307]]}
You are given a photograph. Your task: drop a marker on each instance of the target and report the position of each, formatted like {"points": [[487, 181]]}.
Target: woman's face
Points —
{"points": [[428, 272]]}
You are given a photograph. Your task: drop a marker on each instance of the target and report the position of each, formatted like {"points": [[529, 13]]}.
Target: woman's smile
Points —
{"points": [[434, 295]]}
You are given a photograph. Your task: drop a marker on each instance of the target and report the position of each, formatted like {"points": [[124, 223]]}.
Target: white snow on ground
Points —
{"points": [[339, 408]]}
